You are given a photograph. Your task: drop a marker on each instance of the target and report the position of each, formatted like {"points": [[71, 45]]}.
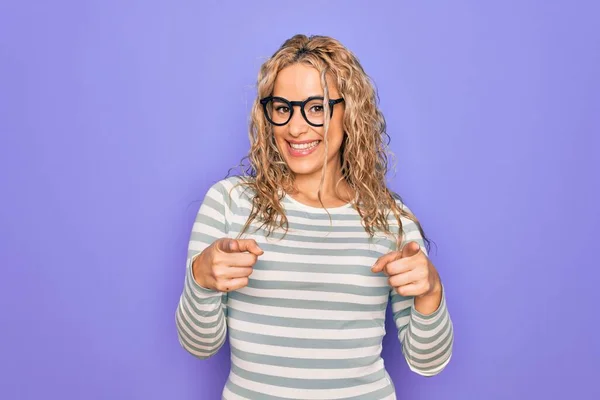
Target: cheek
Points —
{"points": [[277, 132], [335, 137]]}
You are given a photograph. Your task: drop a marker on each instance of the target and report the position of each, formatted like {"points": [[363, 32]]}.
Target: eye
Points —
{"points": [[282, 109], [316, 109]]}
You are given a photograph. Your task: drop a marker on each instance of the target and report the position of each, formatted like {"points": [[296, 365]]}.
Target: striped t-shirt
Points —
{"points": [[310, 323]]}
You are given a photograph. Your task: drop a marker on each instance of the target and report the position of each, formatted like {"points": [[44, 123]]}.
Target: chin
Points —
{"points": [[300, 169]]}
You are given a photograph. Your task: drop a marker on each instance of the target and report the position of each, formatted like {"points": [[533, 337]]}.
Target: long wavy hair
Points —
{"points": [[364, 153]]}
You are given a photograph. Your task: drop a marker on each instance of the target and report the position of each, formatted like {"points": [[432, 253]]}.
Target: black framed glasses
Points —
{"points": [[279, 111]]}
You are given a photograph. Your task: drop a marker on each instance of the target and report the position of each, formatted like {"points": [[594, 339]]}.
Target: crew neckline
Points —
{"points": [[317, 209]]}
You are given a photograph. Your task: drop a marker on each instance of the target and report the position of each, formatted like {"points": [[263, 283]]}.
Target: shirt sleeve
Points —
{"points": [[427, 340], [201, 312]]}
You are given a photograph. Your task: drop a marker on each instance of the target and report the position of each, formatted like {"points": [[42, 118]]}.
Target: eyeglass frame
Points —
{"points": [[265, 100]]}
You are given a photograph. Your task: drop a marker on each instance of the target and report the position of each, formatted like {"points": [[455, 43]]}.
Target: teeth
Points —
{"points": [[304, 146]]}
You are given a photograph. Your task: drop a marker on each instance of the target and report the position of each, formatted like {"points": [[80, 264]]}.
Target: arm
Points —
{"points": [[201, 312], [426, 340], [425, 329]]}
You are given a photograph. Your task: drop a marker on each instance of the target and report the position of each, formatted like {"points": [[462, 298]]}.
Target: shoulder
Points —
{"points": [[406, 212], [411, 226], [233, 190]]}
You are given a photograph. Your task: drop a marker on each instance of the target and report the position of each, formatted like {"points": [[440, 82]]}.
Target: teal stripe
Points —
{"points": [[376, 395], [305, 362], [200, 323], [204, 219], [201, 313], [212, 299], [215, 204], [235, 226], [430, 325], [446, 331], [331, 287], [194, 327], [423, 340], [212, 339], [304, 343], [298, 252], [361, 270], [250, 394], [305, 323], [306, 304], [278, 236], [192, 343], [445, 345], [323, 384]]}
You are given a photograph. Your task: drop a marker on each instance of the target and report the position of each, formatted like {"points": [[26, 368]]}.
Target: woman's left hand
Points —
{"points": [[411, 273]]}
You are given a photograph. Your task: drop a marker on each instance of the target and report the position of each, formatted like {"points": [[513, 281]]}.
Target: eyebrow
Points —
{"points": [[308, 97]]}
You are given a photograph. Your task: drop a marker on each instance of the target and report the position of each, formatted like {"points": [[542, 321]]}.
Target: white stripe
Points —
{"points": [[321, 278], [306, 333], [316, 296], [402, 305], [319, 259], [189, 311], [430, 333], [401, 322], [309, 394], [218, 337], [318, 243], [307, 373], [200, 354], [334, 223], [304, 353], [205, 331], [429, 320], [229, 395], [427, 346], [206, 230], [335, 315], [418, 358], [314, 234], [419, 368], [202, 295]]}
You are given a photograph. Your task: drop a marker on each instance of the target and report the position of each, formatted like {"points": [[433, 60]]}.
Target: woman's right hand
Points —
{"points": [[226, 264]]}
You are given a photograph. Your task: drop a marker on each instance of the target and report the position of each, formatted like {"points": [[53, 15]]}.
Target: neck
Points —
{"points": [[307, 186]]}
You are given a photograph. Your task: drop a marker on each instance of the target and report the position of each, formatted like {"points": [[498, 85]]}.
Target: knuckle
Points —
{"points": [[217, 257], [219, 272]]}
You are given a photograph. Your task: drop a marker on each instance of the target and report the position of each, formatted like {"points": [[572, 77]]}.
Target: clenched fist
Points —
{"points": [[226, 264]]}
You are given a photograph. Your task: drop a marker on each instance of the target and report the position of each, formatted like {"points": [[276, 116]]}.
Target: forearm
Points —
{"points": [[201, 326], [428, 338], [428, 304]]}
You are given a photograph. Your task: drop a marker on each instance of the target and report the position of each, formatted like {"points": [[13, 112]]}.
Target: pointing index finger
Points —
{"points": [[384, 260]]}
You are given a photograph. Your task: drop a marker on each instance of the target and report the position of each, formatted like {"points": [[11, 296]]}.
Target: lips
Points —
{"points": [[302, 149]]}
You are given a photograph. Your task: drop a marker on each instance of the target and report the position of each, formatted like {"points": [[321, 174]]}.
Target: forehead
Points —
{"points": [[300, 81]]}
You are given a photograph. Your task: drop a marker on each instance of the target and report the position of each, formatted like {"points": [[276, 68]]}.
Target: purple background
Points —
{"points": [[116, 116]]}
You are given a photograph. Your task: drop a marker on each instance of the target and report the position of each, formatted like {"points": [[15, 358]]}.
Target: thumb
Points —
{"points": [[249, 245], [229, 246], [410, 249]]}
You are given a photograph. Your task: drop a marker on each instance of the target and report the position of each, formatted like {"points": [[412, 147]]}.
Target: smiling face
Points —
{"points": [[301, 144]]}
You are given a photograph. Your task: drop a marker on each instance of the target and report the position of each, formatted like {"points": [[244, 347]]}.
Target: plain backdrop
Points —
{"points": [[116, 117]]}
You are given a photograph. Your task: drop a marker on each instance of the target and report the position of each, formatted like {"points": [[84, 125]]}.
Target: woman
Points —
{"points": [[296, 260]]}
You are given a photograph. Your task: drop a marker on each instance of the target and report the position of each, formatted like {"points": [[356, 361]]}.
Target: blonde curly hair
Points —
{"points": [[364, 152]]}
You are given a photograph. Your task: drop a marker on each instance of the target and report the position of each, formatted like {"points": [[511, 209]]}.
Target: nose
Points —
{"points": [[297, 125]]}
